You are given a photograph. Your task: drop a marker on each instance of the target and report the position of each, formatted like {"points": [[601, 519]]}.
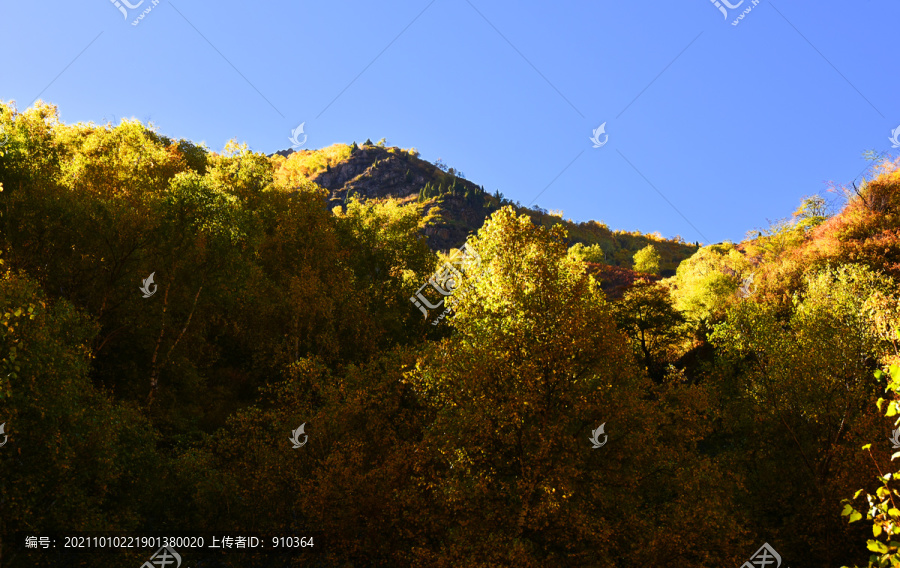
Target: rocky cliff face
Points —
{"points": [[375, 172]]}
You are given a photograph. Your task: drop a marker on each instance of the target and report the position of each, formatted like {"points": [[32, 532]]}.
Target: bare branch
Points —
{"points": [[155, 369], [186, 324]]}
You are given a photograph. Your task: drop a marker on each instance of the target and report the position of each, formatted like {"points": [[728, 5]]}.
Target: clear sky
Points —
{"points": [[712, 128]]}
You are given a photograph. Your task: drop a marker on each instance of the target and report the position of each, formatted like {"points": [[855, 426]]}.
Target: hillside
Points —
{"points": [[452, 206], [864, 232], [202, 341]]}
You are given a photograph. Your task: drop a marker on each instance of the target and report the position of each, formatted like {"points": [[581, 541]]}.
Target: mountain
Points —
{"points": [[453, 207]]}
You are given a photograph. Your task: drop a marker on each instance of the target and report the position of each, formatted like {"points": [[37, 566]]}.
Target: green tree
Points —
{"points": [[647, 260], [352, 479], [798, 389], [388, 260], [75, 459], [705, 284], [646, 315], [813, 211], [592, 253]]}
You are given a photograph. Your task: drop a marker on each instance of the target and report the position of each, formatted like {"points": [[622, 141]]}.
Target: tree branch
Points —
{"points": [[186, 324], [155, 369], [108, 337], [154, 372]]}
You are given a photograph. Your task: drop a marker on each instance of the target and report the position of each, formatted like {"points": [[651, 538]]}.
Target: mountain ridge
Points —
{"points": [[453, 207]]}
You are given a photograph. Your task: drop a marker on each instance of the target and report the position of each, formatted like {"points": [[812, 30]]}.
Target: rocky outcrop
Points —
{"points": [[375, 172]]}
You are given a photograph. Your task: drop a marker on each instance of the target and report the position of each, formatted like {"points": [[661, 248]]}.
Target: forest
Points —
{"points": [[171, 316]]}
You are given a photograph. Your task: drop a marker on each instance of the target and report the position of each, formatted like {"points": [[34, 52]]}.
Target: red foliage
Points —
{"points": [[615, 280]]}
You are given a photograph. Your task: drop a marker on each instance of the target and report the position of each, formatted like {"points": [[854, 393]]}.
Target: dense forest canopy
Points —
{"points": [[736, 384]]}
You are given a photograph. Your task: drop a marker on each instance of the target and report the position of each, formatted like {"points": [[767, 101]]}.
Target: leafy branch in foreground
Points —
{"points": [[883, 509]]}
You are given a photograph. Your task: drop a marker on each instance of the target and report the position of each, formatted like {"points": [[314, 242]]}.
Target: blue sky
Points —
{"points": [[712, 128]]}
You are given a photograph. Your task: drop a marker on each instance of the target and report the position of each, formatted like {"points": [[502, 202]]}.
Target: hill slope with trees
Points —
{"points": [[733, 395], [452, 206]]}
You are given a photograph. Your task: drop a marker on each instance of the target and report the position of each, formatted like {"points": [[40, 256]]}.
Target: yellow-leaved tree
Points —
{"points": [[535, 370]]}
